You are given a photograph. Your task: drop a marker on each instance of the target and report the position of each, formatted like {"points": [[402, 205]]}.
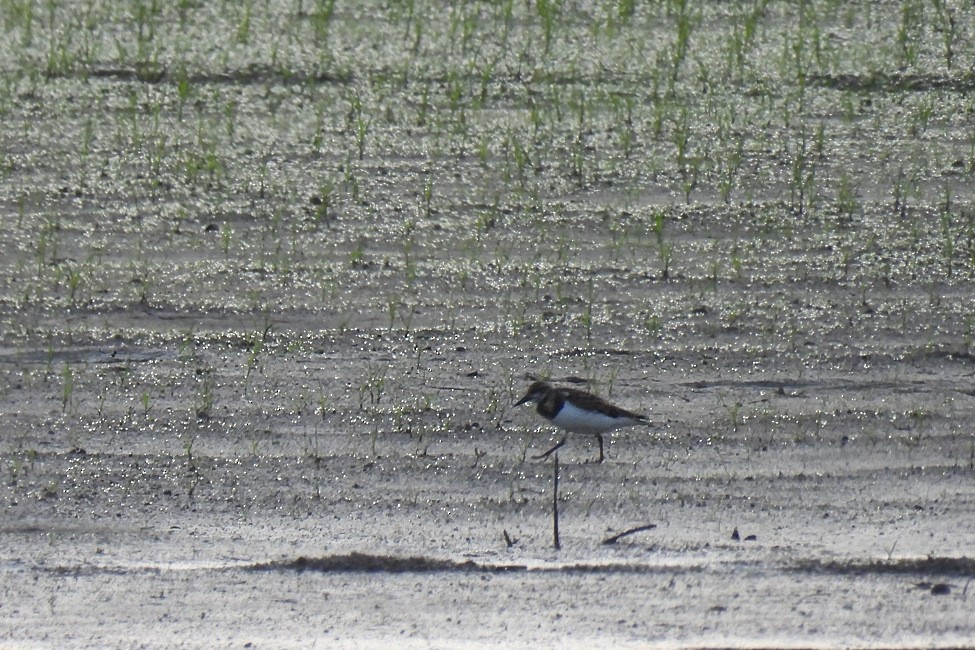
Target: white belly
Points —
{"points": [[577, 420]]}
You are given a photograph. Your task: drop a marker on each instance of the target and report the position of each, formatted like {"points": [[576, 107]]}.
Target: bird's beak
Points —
{"points": [[526, 398]]}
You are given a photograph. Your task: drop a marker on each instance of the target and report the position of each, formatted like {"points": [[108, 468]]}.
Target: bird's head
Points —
{"points": [[535, 392]]}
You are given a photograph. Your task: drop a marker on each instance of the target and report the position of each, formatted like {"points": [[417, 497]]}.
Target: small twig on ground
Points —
{"points": [[638, 529], [890, 553], [478, 455], [508, 539]]}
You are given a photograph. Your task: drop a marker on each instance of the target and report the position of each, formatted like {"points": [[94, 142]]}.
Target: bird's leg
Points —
{"points": [[599, 437], [550, 451]]}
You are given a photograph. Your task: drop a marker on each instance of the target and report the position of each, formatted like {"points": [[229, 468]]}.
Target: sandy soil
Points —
{"points": [[283, 525], [230, 419]]}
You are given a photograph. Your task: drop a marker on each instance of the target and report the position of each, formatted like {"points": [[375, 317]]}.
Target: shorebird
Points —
{"points": [[577, 411]]}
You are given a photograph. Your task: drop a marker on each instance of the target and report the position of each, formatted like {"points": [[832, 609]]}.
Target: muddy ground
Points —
{"points": [[273, 277]]}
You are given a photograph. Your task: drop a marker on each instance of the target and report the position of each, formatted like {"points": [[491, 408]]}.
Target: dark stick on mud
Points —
{"points": [[507, 539], [638, 529], [555, 502]]}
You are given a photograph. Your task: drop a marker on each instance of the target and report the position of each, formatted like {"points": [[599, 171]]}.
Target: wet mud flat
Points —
{"points": [[272, 277]]}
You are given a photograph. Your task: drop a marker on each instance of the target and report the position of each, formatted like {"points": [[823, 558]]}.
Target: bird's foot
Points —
{"points": [[548, 453]]}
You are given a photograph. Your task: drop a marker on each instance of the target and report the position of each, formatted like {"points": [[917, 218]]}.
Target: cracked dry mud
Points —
{"points": [[259, 343]]}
